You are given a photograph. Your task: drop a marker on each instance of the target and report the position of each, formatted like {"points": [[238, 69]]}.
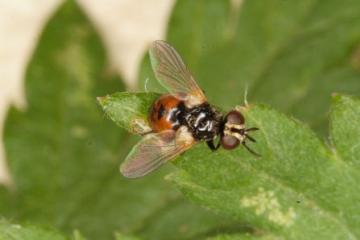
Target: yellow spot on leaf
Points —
{"points": [[266, 203]]}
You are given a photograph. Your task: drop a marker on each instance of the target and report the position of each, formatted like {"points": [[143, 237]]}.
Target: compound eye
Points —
{"points": [[229, 142], [235, 117]]}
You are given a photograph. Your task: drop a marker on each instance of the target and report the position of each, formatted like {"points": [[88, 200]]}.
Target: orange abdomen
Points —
{"points": [[163, 113]]}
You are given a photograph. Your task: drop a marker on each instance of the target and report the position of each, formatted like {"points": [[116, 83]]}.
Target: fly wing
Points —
{"points": [[173, 74], [154, 150]]}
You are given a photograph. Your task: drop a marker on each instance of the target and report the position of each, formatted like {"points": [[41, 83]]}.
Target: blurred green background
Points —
{"points": [[64, 155]]}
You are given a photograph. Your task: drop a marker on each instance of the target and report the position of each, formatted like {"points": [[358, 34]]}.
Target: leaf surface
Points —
{"points": [[291, 55], [299, 189], [66, 173], [345, 129], [298, 185], [243, 237], [64, 155], [10, 231]]}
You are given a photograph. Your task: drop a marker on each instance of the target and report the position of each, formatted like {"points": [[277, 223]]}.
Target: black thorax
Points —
{"points": [[203, 121]]}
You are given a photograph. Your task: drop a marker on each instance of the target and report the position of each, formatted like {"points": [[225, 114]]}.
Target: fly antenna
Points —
{"points": [[252, 129]]}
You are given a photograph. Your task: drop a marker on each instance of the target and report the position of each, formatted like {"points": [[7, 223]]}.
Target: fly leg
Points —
{"points": [[212, 146]]}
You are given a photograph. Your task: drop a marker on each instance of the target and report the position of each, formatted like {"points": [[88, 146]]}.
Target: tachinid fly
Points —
{"points": [[181, 118]]}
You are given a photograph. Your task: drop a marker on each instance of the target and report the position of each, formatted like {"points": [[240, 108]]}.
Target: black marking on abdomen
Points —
{"points": [[161, 112]]}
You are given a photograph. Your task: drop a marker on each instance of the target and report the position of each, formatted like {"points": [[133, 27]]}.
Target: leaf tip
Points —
{"points": [[101, 100]]}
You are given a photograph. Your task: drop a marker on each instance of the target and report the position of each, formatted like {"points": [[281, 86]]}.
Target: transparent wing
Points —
{"points": [[173, 74], [152, 151]]}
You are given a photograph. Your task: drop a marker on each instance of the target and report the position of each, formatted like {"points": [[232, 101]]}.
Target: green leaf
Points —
{"points": [[10, 231], [243, 237], [78, 235], [119, 236], [184, 221], [299, 188], [137, 104], [64, 155], [176, 218], [345, 129], [66, 172], [291, 55]]}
